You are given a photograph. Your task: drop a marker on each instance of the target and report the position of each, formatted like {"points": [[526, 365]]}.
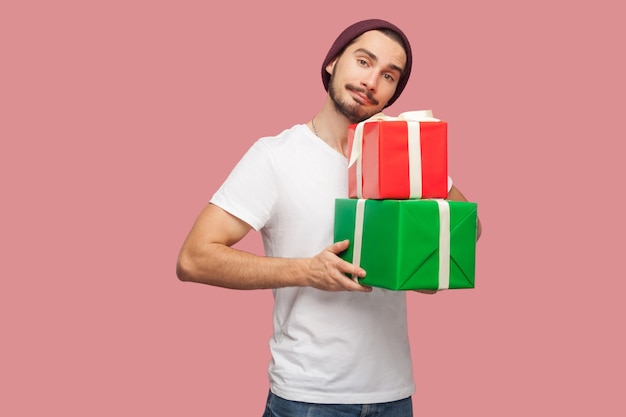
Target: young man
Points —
{"points": [[338, 348]]}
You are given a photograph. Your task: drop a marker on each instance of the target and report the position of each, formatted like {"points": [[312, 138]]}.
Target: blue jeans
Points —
{"points": [[279, 407]]}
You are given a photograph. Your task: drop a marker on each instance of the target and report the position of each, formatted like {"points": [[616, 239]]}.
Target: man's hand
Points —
{"points": [[328, 271]]}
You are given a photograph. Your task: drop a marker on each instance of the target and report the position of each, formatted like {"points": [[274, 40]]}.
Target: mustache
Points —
{"points": [[368, 93]]}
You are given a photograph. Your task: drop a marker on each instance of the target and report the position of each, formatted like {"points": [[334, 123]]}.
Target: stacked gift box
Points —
{"points": [[403, 230]]}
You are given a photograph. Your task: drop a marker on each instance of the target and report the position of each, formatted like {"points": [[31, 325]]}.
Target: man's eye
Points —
{"points": [[362, 62], [388, 77]]}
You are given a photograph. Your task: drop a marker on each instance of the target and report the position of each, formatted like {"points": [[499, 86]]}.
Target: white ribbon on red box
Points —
{"points": [[413, 118]]}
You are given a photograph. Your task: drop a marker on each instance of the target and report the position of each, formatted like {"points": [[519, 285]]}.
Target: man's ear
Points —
{"points": [[331, 66]]}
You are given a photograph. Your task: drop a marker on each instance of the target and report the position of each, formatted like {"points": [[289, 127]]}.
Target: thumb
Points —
{"points": [[339, 247]]}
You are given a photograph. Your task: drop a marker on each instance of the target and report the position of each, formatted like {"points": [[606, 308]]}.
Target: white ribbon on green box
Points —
{"points": [[444, 244], [413, 119], [358, 234]]}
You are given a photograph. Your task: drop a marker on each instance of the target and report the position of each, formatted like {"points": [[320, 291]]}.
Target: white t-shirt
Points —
{"points": [[327, 347]]}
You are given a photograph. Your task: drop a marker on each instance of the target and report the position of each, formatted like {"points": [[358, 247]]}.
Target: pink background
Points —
{"points": [[119, 119]]}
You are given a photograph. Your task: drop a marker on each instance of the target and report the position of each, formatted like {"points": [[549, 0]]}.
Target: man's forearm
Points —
{"points": [[226, 267]]}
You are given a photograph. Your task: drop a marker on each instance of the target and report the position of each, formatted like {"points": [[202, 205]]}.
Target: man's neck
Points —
{"points": [[332, 128]]}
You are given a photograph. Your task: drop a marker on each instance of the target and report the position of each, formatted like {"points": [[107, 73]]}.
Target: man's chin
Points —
{"points": [[355, 112], [363, 111], [364, 115]]}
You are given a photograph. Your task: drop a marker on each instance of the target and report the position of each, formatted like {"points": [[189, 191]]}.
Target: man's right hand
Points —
{"points": [[328, 271]]}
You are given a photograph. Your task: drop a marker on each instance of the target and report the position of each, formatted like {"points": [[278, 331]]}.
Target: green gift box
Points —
{"points": [[416, 244]]}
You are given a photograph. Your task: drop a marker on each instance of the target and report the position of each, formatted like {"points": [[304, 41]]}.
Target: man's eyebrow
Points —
{"points": [[374, 58]]}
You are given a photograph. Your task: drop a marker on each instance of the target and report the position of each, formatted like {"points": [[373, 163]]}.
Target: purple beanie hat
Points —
{"points": [[354, 31]]}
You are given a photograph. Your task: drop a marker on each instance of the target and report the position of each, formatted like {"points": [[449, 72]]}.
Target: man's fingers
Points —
{"points": [[342, 272], [352, 273], [351, 270], [339, 247], [346, 267], [353, 285]]}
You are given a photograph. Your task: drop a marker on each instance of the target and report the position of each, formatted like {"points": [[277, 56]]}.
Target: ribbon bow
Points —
{"points": [[409, 116]]}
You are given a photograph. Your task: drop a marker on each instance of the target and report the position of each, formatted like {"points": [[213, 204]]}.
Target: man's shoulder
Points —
{"points": [[288, 133], [287, 138]]}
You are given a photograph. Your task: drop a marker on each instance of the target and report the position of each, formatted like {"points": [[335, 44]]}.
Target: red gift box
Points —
{"points": [[404, 157]]}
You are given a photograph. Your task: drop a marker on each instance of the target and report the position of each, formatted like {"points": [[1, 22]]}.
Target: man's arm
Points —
{"points": [[207, 257]]}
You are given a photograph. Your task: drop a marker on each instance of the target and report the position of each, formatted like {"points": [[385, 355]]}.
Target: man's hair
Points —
{"points": [[352, 32]]}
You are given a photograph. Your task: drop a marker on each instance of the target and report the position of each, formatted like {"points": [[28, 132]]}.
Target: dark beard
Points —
{"points": [[351, 111]]}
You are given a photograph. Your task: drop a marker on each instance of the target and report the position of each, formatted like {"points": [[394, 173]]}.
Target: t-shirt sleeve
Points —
{"points": [[249, 192], [449, 183]]}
